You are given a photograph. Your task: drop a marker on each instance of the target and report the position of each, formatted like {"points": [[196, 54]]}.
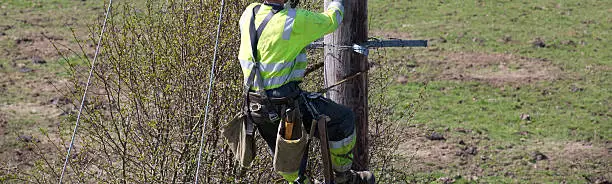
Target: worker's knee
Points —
{"points": [[342, 124]]}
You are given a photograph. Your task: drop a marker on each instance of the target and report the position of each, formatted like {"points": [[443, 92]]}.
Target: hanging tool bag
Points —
{"points": [[291, 140], [240, 138]]}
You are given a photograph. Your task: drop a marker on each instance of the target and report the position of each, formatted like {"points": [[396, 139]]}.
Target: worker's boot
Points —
{"points": [[354, 177]]}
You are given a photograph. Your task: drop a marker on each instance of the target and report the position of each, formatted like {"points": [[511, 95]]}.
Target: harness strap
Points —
{"points": [[255, 34]]}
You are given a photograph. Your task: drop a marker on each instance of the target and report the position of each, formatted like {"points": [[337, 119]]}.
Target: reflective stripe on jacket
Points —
{"points": [[282, 42]]}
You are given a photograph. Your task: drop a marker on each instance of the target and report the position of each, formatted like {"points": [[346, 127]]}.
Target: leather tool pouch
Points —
{"points": [[289, 151], [240, 137]]}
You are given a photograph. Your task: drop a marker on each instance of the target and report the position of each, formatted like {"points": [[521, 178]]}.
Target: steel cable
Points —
{"points": [[210, 86], [93, 64]]}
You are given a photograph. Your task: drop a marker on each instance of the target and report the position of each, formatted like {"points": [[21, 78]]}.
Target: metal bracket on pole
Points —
{"points": [[361, 49], [364, 47]]}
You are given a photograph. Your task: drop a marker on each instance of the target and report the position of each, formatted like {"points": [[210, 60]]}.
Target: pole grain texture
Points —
{"points": [[341, 62]]}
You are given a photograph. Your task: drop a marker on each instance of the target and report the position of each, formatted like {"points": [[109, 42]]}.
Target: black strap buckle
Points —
{"points": [[255, 107], [273, 116], [313, 95]]}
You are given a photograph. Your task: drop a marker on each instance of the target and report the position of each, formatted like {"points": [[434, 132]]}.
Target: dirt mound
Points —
{"points": [[495, 69]]}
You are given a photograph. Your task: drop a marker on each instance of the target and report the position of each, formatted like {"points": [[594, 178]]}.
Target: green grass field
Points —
{"points": [[485, 69], [33, 76], [491, 64]]}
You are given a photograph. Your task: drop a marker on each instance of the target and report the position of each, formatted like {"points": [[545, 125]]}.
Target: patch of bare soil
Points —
{"points": [[461, 153], [582, 150], [578, 154], [470, 154], [38, 40], [495, 69], [32, 109], [40, 46], [29, 148], [428, 155], [425, 154], [569, 158], [41, 107]]}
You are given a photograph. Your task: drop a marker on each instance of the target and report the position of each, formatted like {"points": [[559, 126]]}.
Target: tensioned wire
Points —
{"points": [[210, 86], [93, 65]]}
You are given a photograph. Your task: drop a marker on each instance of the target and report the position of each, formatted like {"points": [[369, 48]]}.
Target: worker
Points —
{"points": [[279, 33]]}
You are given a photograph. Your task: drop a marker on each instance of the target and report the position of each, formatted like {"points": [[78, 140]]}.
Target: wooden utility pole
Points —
{"points": [[342, 61]]}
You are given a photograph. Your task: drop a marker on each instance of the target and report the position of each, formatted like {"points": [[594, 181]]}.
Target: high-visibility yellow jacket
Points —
{"points": [[282, 42]]}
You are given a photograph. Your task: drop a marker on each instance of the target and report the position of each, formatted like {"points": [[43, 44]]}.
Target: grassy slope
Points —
{"points": [[29, 101], [575, 107]]}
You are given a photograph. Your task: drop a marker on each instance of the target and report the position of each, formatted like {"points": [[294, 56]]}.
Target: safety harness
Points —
{"points": [[254, 35], [319, 120]]}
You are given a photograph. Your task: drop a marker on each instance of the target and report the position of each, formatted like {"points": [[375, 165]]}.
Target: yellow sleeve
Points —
{"points": [[310, 26]]}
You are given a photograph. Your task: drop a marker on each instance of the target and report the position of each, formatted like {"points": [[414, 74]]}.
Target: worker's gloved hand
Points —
{"points": [[292, 3], [340, 1]]}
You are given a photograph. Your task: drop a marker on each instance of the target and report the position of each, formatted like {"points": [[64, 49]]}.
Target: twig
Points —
{"points": [[313, 67]]}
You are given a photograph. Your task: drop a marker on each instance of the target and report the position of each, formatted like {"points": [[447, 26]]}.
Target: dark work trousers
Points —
{"points": [[341, 126]]}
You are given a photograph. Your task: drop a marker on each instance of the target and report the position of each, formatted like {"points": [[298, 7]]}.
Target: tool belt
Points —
{"points": [[255, 97], [272, 107]]}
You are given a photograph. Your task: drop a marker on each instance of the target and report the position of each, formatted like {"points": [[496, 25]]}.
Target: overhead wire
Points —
{"points": [[93, 65], [210, 86]]}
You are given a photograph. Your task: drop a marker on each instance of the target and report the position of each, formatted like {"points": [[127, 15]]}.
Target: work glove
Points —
{"points": [[340, 1], [292, 3]]}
